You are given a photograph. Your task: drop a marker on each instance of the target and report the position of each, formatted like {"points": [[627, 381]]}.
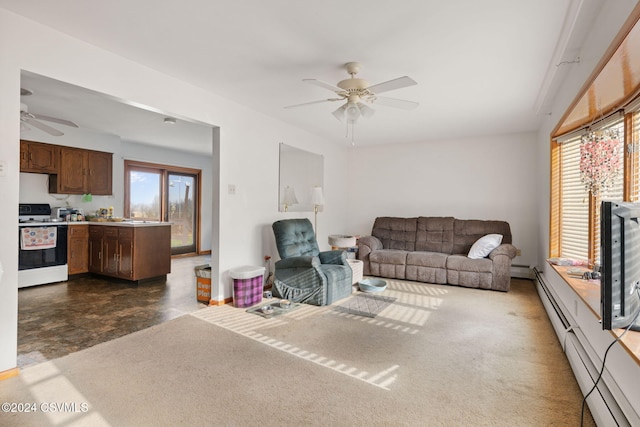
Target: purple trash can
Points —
{"points": [[247, 285]]}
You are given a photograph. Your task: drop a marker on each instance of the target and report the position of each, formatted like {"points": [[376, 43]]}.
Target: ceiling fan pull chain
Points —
{"points": [[353, 138]]}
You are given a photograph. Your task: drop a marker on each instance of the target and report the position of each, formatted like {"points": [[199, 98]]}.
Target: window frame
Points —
{"points": [[630, 182], [165, 170]]}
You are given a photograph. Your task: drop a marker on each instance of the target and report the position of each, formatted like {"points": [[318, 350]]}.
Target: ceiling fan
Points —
{"points": [[358, 92], [35, 119]]}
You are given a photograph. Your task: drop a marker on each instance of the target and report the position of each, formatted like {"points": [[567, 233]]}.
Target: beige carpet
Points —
{"points": [[437, 356]]}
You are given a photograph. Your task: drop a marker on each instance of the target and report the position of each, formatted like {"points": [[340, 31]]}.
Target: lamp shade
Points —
{"points": [[317, 198], [289, 196]]}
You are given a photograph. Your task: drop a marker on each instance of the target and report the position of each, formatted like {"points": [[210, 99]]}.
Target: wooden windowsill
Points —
{"points": [[589, 293]]}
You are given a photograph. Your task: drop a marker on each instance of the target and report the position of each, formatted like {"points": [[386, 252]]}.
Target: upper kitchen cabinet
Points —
{"points": [[36, 157], [82, 171], [100, 172]]}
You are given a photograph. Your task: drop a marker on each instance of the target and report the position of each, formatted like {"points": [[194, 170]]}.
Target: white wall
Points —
{"points": [[248, 152], [491, 178]]}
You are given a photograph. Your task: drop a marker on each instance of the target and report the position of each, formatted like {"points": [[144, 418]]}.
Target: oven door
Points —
{"points": [[33, 257]]}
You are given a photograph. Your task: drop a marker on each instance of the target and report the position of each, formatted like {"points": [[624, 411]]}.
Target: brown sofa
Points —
{"points": [[434, 250]]}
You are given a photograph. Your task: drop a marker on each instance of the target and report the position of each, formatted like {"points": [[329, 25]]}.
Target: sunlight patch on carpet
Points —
{"points": [[363, 304], [247, 325], [46, 384]]}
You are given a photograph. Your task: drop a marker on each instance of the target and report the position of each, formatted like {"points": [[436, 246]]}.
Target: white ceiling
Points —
{"points": [[483, 67]]}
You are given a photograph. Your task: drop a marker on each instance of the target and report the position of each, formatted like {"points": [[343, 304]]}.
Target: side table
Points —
{"points": [[357, 267]]}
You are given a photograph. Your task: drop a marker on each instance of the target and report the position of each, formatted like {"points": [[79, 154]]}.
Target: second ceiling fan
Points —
{"points": [[27, 118], [358, 93]]}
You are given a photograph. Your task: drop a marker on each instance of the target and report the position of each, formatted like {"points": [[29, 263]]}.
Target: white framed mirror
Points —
{"points": [[300, 172]]}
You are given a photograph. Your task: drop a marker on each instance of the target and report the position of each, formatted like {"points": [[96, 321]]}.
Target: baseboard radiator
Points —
{"points": [[584, 361], [521, 271]]}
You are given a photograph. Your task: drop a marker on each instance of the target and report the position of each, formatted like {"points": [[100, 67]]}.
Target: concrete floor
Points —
{"points": [[61, 318]]}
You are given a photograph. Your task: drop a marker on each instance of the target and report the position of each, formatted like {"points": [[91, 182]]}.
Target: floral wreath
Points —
{"points": [[600, 161]]}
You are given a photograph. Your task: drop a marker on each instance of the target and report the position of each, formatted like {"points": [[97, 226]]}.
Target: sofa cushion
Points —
{"points": [[435, 234], [389, 256], [427, 259], [388, 263], [484, 245], [471, 273], [396, 233], [467, 231], [429, 267]]}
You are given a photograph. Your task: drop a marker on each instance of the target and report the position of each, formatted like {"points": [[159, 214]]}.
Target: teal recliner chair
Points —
{"points": [[304, 274]]}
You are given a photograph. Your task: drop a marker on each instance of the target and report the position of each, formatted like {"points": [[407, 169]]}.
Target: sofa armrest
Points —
{"points": [[338, 257], [501, 257], [504, 249], [297, 262], [366, 245]]}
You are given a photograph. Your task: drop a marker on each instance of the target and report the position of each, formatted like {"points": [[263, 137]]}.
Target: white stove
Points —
{"points": [[42, 246]]}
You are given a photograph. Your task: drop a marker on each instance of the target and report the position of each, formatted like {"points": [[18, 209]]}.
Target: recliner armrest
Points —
{"points": [[298, 261], [372, 243], [504, 249], [338, 257]]}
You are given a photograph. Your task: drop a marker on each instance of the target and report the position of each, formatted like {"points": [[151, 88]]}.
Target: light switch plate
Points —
{"points": [[232, 189], [3, 168]]}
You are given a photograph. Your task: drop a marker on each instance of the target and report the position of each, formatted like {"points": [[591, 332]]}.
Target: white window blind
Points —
{"points": [[574, 212], [634, 148], [575, 199], [613, 193]]}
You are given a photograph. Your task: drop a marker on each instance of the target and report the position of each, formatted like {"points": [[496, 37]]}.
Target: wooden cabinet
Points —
{"points": [[71, 176], [99, 173], [36, 157], [131, 253], [78, 249], [95, 249], [83, 171]]}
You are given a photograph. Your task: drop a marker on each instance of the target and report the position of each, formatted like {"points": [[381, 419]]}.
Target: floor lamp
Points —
{"points": [[289, 198], [317, 200]]}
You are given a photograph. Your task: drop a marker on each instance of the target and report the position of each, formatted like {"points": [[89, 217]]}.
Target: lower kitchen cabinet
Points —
{"points": [[78, 249], [130, 252]]}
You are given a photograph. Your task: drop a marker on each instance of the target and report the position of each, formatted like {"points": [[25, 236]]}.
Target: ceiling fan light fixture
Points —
{"points": [[352, 111], [339, 113], [366, 111]]}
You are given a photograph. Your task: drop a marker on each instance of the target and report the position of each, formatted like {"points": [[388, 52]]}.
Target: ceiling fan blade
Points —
{"points": [[325, 85], [396, 103], [313, 102], [394, 84], [43, 127], [56, 120]]}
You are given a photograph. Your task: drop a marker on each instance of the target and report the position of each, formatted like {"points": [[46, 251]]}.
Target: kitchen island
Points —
{"points": [[129, 250]]}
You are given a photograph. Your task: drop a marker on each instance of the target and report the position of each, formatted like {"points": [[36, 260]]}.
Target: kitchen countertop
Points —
{"points": [[121, 223]]}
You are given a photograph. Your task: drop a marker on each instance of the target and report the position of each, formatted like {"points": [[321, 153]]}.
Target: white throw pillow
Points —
{"points": [[484, 245]]}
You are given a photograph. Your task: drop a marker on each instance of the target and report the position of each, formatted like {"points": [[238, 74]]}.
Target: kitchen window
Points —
{"points": [[155, 192]]}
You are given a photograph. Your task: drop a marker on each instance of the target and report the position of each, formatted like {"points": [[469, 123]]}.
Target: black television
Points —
{"points": [[620, 265]]}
